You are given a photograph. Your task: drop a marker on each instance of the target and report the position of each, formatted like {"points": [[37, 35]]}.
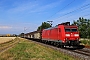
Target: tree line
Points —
{"points": [[44, 25], [83, 27]]}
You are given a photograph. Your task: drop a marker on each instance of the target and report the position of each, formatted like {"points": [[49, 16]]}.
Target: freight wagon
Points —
{"points": [[33, 35]]}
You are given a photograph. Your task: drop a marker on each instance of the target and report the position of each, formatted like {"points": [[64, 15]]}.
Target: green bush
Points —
{"points": [[86, 42]]}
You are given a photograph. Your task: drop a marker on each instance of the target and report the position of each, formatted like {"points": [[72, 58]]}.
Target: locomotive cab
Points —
{"points": [[71, 35]]}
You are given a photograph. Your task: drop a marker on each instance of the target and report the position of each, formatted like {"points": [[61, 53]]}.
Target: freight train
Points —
{"points": [[61, 35]]}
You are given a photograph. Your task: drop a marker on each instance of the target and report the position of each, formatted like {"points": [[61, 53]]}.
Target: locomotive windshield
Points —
{"points": [[67, 30], [70, 30], [74, 30]]}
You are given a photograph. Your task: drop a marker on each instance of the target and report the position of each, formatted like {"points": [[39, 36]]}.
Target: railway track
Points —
{"points": [[83, 54], [7, 45], [80, 53], [83, 51]]}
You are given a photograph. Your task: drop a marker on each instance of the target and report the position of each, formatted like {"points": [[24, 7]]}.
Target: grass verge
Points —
{"points": [[27, 50], [85, 42]]}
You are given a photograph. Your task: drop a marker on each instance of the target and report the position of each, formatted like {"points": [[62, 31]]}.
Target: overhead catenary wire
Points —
{"points": [[62, 8], [86, 15], [76, 10], [82, 16], [83, 9]]}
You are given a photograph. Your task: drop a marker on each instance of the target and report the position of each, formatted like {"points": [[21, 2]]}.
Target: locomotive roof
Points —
{"points": [[68, 26], [71, 26], [50, 28]]}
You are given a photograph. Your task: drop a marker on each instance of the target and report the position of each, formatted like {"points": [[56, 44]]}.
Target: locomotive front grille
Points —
{"points": [[72, 42]]}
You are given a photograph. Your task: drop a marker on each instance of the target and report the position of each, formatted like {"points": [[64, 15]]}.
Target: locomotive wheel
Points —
{"points": [[61, 46], [57, 44], [52, 42]]}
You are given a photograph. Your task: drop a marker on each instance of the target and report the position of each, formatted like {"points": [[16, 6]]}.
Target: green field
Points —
{"points": [[28, 50]]}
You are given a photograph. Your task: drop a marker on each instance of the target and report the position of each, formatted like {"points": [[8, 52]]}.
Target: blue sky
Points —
{"points": [[19, 15]]}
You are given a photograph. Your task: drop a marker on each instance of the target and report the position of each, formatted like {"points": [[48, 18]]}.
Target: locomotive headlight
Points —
{"points": [[67, 34], [76, 34]]}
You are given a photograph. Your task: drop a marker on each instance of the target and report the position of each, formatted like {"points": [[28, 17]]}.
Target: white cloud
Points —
{"points": [[5, 27]]}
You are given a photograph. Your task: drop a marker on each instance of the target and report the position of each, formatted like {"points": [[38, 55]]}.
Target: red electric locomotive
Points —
{"points": [[63, 35]]}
